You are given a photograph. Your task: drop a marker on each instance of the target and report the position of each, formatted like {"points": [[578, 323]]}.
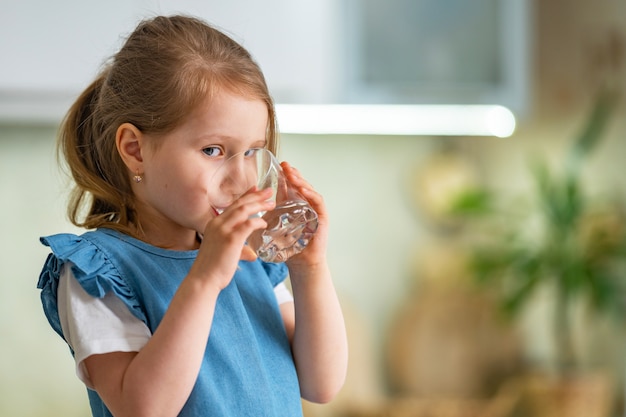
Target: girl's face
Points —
{"points": [[172, 199]]}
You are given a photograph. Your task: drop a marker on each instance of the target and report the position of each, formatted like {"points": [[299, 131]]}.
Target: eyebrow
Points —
{"points": [[226, 138]]}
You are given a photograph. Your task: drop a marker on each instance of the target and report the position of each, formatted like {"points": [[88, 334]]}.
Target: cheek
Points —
{"points": [[165, 173], [177, 181], [182, 190], [162, 184]]}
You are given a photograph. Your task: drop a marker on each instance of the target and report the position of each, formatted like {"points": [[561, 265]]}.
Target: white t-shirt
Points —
{"points": [[103, 325]]}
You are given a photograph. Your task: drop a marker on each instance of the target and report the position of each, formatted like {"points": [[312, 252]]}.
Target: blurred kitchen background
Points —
{"points": [[478, 246]]}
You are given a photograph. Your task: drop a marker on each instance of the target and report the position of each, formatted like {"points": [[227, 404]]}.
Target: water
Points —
{"points": [[290, 227]]}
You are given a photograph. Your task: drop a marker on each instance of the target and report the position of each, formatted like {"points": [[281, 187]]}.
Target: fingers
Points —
{"points": [[239, 219], [249, 204], [294, 177], [315, 252], [225, 235], [303, 187]]}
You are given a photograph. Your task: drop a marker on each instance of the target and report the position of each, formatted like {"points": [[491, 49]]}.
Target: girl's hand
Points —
{"points": [[315, 252], [225, 235]]}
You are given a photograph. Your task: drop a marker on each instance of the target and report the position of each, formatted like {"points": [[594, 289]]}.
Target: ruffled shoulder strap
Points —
{"points": [[93, 270]]}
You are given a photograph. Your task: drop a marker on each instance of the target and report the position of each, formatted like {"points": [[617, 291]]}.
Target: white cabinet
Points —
{"points": [[311, 51], [51, 50]]}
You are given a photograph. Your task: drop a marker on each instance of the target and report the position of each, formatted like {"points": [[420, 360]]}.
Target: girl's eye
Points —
{"points": [[212, 151], [251, 152]]}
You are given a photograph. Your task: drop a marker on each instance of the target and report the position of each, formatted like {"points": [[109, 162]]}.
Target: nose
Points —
{"points": [[238, 175], [237, 171]]}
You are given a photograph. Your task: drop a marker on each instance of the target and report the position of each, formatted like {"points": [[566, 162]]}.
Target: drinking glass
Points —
{"points": [[290, 225]]}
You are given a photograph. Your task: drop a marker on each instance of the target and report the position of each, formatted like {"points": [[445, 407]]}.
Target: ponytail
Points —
{"points": [[88, 146]]}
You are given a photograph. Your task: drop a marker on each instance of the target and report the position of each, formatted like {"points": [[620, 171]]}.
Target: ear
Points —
{"points": [[129, 141]]}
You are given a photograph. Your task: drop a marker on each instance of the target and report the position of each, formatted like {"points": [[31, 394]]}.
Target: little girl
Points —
{"points": [[165, 309]]}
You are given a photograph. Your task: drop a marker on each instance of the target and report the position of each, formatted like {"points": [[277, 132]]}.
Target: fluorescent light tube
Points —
{"points": [[428, 120]]}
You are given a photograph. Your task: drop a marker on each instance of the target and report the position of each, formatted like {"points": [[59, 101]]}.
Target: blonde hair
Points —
{"points": [[166, 67]]}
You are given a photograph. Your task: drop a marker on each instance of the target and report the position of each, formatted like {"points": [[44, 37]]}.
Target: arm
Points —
{"points": [[314, 321], [157, 380], [318, 336]]}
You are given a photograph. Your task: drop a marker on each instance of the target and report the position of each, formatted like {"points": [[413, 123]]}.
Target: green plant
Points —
{"points": [[565, 239]]}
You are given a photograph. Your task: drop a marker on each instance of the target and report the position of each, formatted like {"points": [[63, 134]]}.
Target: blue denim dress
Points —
{"points": [[248, 369]]}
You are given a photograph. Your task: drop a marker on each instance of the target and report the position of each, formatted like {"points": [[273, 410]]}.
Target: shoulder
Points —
{"points": [[90, 262], [91, 265]]}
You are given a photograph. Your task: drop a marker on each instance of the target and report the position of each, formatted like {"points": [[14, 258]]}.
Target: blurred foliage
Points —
{"points": [[564, 238]]}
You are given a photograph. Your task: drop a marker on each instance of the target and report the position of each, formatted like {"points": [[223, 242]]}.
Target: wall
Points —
{"points": [[36, 370]]}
